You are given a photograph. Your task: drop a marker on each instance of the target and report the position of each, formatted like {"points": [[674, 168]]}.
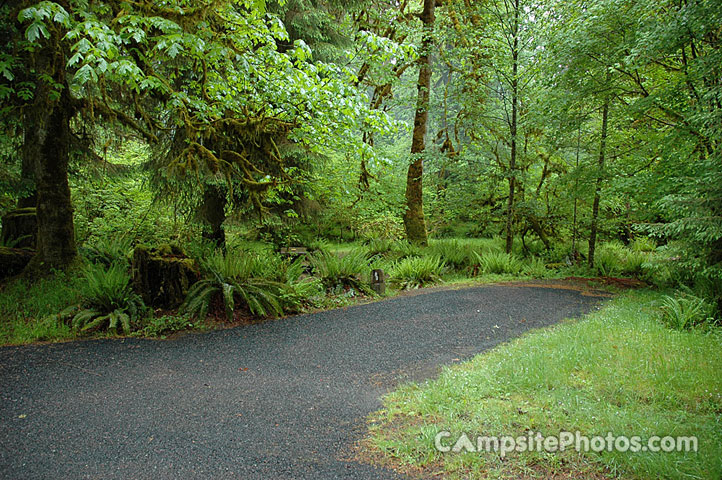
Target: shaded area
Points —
{"points": [[284, 399]]}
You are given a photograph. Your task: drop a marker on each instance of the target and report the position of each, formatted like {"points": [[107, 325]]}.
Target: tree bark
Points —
{"points": [[414, 221], [598, 187], [213, 213], [47, 146], [513, 129]]}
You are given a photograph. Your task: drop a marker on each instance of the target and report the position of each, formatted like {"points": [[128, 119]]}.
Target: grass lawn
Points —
{"points": [[618, 370]]}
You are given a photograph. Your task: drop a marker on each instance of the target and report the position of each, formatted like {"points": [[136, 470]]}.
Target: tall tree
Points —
{"points": [[414, 221]]}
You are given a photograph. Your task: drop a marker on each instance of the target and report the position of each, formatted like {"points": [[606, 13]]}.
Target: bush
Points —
{"points": [[633, 263], [643, 244], [454, 253], [498, 263], [415, 272], [536, 268], [404, 249], [108, 301], [109, 250], [379, 246], [686, 311], [166, 325], [341, 271], [233, 279], [609, 259]]}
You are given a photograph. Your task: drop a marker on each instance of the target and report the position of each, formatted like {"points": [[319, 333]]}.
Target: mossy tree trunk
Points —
{"points": [[163, 275], [213, 213], [47, 145], [414, 221]]}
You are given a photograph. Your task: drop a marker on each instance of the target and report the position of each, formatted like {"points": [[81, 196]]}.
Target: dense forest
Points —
{"points": [[250, 158]]}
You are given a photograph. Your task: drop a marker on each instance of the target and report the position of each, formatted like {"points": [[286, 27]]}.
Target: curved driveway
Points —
{"points": [[280, 400]]}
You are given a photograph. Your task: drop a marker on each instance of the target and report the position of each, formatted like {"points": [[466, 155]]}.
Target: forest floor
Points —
{"points": [[282, 399]]}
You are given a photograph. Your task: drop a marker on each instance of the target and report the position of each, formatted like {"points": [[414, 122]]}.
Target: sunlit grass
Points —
{"points": [[619, 370]]}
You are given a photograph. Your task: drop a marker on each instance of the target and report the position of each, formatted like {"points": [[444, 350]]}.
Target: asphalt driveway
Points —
{"points": [[279, 400]]}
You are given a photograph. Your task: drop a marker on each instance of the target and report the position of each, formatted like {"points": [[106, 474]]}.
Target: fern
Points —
{"points": [[341, 271], [232, 279], [108, 251], [452, 252], [685, 311], [415, 272], [109, 302], [498, 262]]}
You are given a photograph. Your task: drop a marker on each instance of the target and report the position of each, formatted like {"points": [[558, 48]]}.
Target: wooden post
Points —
{"points": [[378, 281]]}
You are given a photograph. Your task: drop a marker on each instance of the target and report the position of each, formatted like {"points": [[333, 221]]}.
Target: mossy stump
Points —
{"points": [[163, 275], [20, 228], [14, 260]]}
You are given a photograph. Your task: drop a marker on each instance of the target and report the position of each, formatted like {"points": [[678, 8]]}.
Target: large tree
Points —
{"points": [[212, 71], [414, 221]]}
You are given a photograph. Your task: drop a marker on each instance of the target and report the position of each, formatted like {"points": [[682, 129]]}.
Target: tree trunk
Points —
{"points": [[414, 221], [28, 194], [513, 129], [213, 213], [46, 147], [598, 187], [50, 144]]}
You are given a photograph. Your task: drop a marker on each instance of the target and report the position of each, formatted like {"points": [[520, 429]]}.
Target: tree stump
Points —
{"points": [[163, 275], [13, 261], [20, 228]]}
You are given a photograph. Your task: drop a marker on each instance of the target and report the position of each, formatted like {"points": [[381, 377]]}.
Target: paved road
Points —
{"points": [[279, 400]]}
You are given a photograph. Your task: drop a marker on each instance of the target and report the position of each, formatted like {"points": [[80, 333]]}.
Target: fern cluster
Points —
{"points": [[109, 301], [415, 272], [234, 279], [341, 271]]}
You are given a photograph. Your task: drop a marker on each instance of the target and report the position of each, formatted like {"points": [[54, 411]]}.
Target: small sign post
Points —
{"points": [[378, 281]]}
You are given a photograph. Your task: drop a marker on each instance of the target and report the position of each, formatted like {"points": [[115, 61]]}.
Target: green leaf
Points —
{"points": [[35, 31]]}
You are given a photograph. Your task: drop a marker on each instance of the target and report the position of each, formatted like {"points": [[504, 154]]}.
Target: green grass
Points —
{"points": [[618, 370], [24, 308]]}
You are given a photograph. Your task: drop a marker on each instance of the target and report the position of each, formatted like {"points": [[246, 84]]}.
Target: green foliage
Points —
{"points": [[108, 301], [26, 308], [416, 272], [342, 271], [609, 259], [686, 311], [643, 244], [614, 259], [379, 246], [231, 279], [167, 325], [454, 253], [500, 262], [536, 267], [404, 249], [109, 250]]}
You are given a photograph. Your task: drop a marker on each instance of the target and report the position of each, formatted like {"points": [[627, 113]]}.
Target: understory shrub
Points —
{"points": [[341, 271], [233, 279], [108, 301], [109, 250], [498, 262], [455, 254], [686, 311], [536, 268], [415, 272]]}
